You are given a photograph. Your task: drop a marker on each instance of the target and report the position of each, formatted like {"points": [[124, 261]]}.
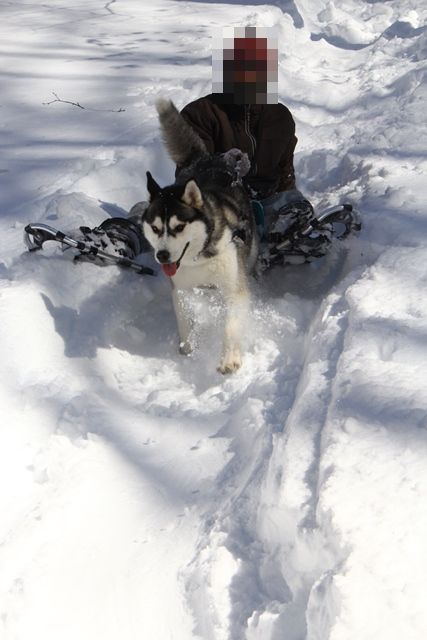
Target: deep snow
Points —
{"points": [[142, 494]]}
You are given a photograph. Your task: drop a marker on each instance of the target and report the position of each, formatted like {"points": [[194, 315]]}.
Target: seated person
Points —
{"points": [[246, 115]]}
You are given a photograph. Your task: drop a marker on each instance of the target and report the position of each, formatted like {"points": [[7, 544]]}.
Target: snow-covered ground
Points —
{"points": [[143, 495]]}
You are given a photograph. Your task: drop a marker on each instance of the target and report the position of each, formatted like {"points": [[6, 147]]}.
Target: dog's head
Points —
{"points": [[175, 224]]}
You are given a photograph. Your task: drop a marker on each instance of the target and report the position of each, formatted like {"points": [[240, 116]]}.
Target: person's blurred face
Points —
{"points": [[249, 69], [246, 74]]}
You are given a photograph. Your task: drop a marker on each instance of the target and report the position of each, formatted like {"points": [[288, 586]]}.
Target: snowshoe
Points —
{"points": [[343, 218], [299, 236], [116, 241]]}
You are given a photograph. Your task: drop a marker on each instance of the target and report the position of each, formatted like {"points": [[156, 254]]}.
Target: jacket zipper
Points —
{"points": [[251, 137]]}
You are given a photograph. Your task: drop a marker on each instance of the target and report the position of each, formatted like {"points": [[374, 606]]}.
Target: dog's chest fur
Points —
{"points": [[217, 271]]}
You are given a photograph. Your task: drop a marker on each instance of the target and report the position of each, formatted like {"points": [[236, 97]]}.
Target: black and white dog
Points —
{"points": [[202, 229]]}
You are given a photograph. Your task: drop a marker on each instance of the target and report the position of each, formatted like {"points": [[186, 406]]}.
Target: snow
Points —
{"points": [[144, 495]]}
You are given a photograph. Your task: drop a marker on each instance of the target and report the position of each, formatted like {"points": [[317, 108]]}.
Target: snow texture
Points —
{"points": [[142, 494]]}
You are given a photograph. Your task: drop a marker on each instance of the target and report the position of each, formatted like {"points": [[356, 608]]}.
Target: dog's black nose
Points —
{"points": [[163, 256]]}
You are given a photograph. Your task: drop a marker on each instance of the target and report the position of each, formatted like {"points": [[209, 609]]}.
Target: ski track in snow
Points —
{"points": [[143, 494]]}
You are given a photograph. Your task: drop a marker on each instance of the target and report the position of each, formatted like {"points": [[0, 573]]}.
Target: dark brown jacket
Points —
{"points": [[265, 132]]}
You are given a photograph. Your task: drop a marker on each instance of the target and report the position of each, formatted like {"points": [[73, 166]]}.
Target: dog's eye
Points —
{"points": [[155, 229], [179, 228]]}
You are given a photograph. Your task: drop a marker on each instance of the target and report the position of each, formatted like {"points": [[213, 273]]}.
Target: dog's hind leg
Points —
{"points": [[184, 322]]}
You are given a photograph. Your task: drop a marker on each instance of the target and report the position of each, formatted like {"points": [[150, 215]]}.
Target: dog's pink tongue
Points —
{"points": [[169, 269]]}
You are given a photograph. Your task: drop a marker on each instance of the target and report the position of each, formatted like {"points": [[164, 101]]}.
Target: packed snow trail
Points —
{"points": [[143, 494]]}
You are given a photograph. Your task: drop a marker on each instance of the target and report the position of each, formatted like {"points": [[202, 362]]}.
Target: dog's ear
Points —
{"points": [[152, 187], [192, 195]]}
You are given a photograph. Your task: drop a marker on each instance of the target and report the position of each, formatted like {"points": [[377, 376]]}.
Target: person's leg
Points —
{"points": [[286, 209], [135, 215], [284, 197], [137, 211]]}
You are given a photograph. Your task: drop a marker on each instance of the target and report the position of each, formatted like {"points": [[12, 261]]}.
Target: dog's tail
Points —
{"points": [[182, 142]]}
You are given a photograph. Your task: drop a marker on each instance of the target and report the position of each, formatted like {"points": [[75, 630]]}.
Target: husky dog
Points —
{"points": [[202, 230]]}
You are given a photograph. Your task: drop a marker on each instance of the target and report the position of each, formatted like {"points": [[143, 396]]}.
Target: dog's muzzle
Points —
{"points": [[170, 268]]}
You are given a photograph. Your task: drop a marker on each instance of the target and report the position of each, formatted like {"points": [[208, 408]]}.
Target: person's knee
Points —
{"points": [[137, 211]]}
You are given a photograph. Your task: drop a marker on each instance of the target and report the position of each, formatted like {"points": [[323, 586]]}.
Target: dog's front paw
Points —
{"points": [[185, 348], [231, 361]]}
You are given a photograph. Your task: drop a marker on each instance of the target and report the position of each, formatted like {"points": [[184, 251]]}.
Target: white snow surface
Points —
{"points": [[142, 494]]}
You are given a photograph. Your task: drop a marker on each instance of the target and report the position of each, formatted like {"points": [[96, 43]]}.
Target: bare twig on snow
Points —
{"points": [[77, 104]]}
